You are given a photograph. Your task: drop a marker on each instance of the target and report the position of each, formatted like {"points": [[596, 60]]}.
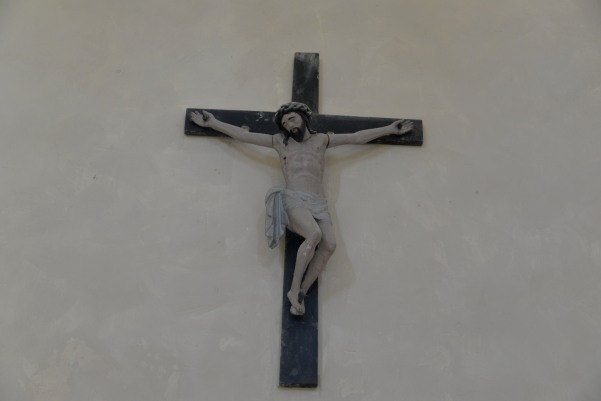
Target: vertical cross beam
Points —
{"points": [[298, 358], [305, 80]]}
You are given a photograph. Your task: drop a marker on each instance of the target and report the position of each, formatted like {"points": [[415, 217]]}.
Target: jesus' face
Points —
{"points": [[294, 124]]}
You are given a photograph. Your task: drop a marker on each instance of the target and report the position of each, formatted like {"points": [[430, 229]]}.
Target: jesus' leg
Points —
{"points": [[301, 221], [325, 249]]}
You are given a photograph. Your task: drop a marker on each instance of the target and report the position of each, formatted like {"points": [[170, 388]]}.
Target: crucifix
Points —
{"points": [[300, 209]]}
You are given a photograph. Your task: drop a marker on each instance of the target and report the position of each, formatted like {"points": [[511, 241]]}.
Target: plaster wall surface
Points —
{"points": [[132, 261]]}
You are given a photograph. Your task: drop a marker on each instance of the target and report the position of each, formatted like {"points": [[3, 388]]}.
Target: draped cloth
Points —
{"points": [[279, 200]]}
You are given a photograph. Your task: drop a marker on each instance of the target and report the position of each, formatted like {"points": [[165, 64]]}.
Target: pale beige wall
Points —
{"points": [[132, 261]]}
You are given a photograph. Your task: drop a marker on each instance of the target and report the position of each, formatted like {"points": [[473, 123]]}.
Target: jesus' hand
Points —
{"points": [[401, 127], [203, 118]]}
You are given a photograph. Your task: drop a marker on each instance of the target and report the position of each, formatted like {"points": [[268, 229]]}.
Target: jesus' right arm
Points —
{"points": [[206, 119]]}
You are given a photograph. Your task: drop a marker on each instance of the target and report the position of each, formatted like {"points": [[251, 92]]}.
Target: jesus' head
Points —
{"points": [[292, 118]]}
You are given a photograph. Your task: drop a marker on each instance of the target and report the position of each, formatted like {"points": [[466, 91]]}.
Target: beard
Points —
{"points": [[297, 133]]}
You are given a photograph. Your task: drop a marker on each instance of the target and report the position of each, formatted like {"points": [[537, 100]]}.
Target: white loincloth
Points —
{"points": [[279, 200]]}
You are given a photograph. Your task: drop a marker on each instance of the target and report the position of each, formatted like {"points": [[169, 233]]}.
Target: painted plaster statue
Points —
{"points": [[301, 205]]}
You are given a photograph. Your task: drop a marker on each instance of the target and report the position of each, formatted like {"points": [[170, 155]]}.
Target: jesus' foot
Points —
{"points": [[296, 298]]}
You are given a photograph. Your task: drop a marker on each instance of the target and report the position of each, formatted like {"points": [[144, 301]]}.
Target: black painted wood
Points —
{"points": [[299, 353], [305, 80], [262, 121]]}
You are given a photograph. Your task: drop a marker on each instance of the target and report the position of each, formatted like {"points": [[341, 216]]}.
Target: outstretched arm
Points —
{"points": [[400, 127], [206, 119]]}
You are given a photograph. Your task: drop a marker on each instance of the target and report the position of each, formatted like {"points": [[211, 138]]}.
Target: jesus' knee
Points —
{"points": [[327, 246], [311, 240]]}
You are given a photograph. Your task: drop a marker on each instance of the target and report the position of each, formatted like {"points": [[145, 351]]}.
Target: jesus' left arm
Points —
{"points": [[400, 127]]}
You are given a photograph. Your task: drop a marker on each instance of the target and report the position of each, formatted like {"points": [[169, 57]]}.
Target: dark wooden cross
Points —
{"points": [[298, 358]]}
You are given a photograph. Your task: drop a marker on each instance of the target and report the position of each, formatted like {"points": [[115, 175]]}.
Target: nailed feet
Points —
{"points": [[297, 299]]}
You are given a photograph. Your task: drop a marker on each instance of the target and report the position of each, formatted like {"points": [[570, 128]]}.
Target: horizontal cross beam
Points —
{"points": [[262, 121]]}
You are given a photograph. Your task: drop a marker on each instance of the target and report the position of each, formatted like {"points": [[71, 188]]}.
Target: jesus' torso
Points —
{"points": [[303, 162]]}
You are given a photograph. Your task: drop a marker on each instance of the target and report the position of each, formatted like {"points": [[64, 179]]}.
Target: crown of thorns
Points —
{"points": [[295, 107]]}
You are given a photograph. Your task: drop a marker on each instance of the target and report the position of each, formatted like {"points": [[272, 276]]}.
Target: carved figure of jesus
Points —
{"points": [[300, 206]]}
